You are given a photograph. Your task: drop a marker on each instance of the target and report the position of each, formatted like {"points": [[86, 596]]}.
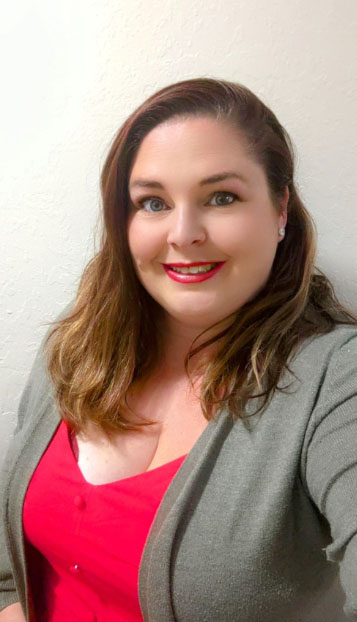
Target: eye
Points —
{"points": [[223, 195], [156, 203]]}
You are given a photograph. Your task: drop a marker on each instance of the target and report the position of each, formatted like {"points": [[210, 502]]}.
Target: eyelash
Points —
{"points": [[143, 200]]}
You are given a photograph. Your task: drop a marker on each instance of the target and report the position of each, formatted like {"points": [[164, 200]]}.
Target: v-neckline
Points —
{"points": [[144, 474]]}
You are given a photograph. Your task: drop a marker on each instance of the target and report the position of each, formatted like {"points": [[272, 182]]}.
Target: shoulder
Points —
{"points": [[38, 395], [39, 367], [321, 374], [332, 424], [338, 336], [326, 368], [321, 353]]}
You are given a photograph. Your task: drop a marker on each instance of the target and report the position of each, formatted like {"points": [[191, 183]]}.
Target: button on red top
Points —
{"points": [[75, 568], [79, 502]]}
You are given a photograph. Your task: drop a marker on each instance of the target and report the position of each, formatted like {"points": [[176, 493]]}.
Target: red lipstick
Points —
{"points": [[188, 265], [192, 278]]}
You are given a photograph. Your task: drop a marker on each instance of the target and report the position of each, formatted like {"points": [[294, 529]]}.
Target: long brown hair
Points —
{"points": [[108, 341]]}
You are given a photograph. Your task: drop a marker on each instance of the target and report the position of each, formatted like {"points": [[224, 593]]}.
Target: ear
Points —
{"points": [[283, 211]]}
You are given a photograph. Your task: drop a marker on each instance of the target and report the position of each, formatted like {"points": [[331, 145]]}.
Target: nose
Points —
{"points": [[185, 227]]}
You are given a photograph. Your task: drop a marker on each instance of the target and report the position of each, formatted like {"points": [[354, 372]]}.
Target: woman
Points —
{"points": [[186, 448]]}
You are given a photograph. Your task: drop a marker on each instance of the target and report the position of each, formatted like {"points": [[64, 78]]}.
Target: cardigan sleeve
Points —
{"points": [[29, 396], [331, 464], [8, 593]]}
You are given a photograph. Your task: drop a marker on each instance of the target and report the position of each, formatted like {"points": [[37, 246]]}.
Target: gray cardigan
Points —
{"points": [[259, 523]]}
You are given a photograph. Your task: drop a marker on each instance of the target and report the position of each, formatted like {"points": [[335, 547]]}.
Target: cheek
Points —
{"points": [[133, 235], [143, 246], [247, 236]]}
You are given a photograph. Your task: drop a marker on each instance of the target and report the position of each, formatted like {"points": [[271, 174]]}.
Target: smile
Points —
{"points": [[193, 269], [192, 274]]}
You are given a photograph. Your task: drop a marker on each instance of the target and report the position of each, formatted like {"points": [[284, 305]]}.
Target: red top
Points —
{"points": [[85, 541]]}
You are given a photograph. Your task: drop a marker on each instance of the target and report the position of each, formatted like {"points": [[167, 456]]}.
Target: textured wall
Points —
{"points": [[73, 71]]}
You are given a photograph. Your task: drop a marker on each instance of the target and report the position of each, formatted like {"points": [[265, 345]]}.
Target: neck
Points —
{"points": [[176, 343]]}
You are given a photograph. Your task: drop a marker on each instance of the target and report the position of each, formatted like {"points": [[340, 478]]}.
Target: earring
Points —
{"points": [[281, 231]]}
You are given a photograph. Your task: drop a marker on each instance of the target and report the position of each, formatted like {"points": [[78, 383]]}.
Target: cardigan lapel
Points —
{"points": [[155, 572]]}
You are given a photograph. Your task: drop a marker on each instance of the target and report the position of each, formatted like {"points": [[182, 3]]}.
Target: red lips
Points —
{"points": [[189, 265], [192, 278]]}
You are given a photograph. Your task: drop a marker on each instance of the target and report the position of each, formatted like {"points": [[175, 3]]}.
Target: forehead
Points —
{"points": [[192, 147], [191, 135]]}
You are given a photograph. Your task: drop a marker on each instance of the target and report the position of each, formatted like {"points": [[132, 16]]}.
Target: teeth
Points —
{"points": [[194, 269]]}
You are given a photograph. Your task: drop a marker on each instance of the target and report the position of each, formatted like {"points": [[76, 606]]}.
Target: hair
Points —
{"points": [[108, 342]]}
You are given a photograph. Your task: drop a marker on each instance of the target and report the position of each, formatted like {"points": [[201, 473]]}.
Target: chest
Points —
{"points": [[180, 422]]}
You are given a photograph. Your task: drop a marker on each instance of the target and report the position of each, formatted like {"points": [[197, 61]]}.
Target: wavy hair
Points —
{"points": [[107, 343]]}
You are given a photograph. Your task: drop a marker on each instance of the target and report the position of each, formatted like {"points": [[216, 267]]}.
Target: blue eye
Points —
{"points": [[233, 197], [148, 199], [226, 194]]}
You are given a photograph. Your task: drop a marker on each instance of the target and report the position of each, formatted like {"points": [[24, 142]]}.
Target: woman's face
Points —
{"points": [[178, 216]]}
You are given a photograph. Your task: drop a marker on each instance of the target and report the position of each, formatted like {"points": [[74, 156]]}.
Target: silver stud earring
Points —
{"points": [[281, 231]]}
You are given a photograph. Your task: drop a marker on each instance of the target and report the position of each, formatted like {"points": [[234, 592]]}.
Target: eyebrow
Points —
{"points": [[149, 183]]}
